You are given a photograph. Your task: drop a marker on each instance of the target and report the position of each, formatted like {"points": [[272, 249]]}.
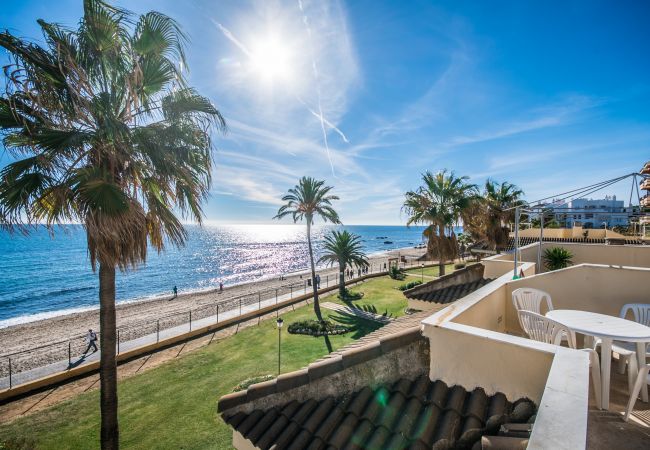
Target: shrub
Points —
{"points": [[247, 382], [396, 273], [557, 258], [316, 328], [350, 296], [459, 266], [410, 285]]}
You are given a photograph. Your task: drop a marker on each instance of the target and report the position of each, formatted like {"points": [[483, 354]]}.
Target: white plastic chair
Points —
{"points": [[642, 378], [530, 299], [541, 328]]}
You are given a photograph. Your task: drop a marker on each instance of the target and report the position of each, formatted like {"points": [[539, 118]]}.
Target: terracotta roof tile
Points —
{"points": [[450, 293], [406, 414]]}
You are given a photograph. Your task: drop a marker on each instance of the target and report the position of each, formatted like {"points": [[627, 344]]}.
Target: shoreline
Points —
{"points": [[32, 334], [47, 315]]}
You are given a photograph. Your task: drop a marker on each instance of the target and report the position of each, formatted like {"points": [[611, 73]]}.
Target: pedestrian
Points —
{"points": [[384, 266], [91, 339], [317, 281], [175, 291], [220, 287]]}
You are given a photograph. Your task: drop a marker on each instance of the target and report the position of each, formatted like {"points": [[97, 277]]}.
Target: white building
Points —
{"points": [[590, 213]]}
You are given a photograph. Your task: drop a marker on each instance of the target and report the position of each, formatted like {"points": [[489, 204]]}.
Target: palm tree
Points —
{"points": [[440, 202], [344, 248], [499, 202], [107, 134], [308, 199]]}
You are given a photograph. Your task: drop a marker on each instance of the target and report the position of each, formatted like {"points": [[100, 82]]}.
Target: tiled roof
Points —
{"points": [[450, 293], [417, 414]]}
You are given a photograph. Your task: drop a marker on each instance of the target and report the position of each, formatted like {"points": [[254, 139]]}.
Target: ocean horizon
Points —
{"points": [[45, 276]]}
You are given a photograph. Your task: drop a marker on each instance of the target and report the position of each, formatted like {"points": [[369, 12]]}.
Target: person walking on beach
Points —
{"points": [[91, 338], [220, 287], [175, 291]]}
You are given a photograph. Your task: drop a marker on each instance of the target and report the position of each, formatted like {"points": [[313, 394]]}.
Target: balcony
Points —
{"points": [[645, 184], [646, 168], [483, 327], [645, 201]]}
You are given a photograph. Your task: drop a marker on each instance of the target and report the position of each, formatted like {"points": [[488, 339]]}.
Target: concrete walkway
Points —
{"points": [[78, 360], [24, 376]]}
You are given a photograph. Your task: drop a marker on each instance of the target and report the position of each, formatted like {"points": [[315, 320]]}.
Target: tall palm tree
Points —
{"points": [[499, 201], [344, 248], [439, 202], [308, 199], [107, 134]]}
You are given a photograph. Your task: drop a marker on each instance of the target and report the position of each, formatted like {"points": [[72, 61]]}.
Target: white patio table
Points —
{"points": [[608, 329]]}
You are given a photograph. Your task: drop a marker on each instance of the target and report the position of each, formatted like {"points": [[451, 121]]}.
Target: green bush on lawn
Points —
{"points": [[410, 285], [316, 328]]}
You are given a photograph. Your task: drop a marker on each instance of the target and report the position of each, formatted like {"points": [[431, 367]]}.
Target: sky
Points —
{"points": [[367, 95]]}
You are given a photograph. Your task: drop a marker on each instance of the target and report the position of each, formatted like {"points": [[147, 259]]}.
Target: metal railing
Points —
{"points": [[66, 354]]}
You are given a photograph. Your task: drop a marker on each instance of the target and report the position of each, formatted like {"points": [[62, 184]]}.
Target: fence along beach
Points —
{"points": [[39, 343]]}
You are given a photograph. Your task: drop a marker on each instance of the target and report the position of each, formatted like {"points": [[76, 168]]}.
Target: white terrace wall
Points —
{"points": [[569, 233], [615, 255], [588, 287]]}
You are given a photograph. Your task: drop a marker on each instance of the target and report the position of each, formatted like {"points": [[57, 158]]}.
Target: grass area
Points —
{"points": [[380, 293], [174, 405], [430, 271]]}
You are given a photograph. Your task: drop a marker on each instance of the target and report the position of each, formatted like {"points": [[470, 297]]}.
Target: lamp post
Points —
{"points": [[279, 322], [422, 277]]}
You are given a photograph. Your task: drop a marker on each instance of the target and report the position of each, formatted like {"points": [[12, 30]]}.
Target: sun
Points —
{"points": [[272, 59]]}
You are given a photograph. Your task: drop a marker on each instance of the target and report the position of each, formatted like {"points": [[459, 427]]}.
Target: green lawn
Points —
{"points": [[174, 405], [382, 294], [430, 271]]}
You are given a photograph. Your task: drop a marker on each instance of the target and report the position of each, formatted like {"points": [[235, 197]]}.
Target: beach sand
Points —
{"points": [[141, 314]]}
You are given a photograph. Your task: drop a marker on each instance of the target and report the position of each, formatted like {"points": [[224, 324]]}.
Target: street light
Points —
{"points": [[279, 322], [423, 272]]}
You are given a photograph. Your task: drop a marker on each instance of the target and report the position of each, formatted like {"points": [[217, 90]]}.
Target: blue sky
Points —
{"points": [[547, 95]]}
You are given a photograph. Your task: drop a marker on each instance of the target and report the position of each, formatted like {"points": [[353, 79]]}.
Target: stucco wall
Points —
{"points": [[458, 357], [616, 255], [598, 288], [569, 233], [489, 313]]}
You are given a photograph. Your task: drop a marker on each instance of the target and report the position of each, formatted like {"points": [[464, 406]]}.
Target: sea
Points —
{"points": [[45, 274]]}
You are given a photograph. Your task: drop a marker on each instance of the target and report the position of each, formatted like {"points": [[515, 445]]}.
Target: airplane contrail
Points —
{"points": [[318, 93], [231, 37], [318, 114], [327, 122]]}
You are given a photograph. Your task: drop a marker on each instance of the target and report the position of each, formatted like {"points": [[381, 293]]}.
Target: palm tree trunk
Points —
{"points": [[107, 364], [441, 255], [341, 279], [313, 273]]}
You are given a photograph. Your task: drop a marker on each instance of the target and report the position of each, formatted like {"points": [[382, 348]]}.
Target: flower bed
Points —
{"points": [[316, 328]]}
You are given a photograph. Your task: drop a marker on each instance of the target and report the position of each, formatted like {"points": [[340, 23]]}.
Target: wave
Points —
{"points": [[27, 318]]}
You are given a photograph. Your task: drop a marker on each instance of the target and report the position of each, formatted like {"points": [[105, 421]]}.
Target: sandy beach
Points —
{"points": [[143, 314]]}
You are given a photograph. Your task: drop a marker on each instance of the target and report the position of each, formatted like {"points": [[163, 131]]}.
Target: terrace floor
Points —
{"points": [[607, 430]]}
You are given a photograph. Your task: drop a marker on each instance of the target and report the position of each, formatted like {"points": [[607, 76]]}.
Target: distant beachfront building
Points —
{"points": [[591, 213], [644, 220]]}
